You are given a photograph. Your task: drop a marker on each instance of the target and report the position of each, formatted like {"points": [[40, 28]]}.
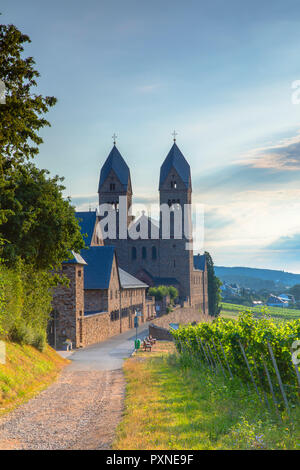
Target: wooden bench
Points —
{"points": [[147, 346], [151, 340]]}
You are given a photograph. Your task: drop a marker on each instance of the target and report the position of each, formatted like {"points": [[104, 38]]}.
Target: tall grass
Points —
{"points": [[173, 402]]}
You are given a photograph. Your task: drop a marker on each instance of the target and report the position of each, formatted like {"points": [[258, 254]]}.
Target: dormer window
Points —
{"points": [[112, 186]]}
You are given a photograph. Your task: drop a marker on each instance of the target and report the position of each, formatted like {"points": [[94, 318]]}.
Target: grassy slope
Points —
{"points": [[277, 313], [26, 372], [169, 406]]}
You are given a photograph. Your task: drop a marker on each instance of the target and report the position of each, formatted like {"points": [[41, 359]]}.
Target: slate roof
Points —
{"points": [[115, 162], [199, 262], [99, 264], [76, 259], [165, 281], [129, 281], [99, 261], [161, 281], [87, 221], [176, 160]]}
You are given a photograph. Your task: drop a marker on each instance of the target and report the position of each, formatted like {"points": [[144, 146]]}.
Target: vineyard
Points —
{"points": [[260, 352], [276, 313]]}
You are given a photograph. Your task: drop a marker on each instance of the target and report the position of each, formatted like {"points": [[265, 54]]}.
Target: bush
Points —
{"points": [[21, 333], [25, 304], [39, 341]]}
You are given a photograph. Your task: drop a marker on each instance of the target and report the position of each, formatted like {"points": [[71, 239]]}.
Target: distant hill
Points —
{"points": [[241, 275]]}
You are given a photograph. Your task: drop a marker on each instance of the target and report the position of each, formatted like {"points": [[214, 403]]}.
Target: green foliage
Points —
{"points": [[25, 304], [40, 225], [173, 293], [162, 291], [37, 224], [253, 335], [295, 291], [21, 117], [39, 341], [214, 284], [20, 333]]}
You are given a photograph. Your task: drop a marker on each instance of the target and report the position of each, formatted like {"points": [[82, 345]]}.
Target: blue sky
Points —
{"points": [[220, 73]]}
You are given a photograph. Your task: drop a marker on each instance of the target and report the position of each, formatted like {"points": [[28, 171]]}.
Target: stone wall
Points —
{"points": [[182, 316], [160, 328], [99, 327], [95, 328], [161, 334], [96, 300]]}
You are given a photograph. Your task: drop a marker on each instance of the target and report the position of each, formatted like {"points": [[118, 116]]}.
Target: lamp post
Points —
{"points": [[136, 325]]}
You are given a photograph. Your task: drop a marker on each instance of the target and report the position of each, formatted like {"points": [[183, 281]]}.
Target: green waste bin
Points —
{"points": [[137, 343]]}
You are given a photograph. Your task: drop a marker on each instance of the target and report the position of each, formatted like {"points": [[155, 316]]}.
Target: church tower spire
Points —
{"points": [[175, 191], [115, 180]]}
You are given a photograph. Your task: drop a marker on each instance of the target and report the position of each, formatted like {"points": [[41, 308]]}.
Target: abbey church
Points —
{"points": [[157, 260], [109, 280]]}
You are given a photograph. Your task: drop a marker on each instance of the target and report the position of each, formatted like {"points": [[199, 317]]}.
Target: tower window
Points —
{"points": [[154, 252], [173, 184], [112, 186], [133, 252], [144, 252]]}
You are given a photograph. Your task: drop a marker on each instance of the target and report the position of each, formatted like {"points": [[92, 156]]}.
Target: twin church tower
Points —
{"points": [[155, 258]]}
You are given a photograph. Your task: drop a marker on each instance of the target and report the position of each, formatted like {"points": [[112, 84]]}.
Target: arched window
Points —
{"points": [[154, 252], [144, 252], [133, 252]]}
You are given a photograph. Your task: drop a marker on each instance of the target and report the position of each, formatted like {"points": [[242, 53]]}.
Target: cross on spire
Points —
{"points": [[174, 134], [114, 138]]}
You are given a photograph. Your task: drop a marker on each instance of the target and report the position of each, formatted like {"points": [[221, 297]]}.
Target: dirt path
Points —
{"points": [[80, 411]]}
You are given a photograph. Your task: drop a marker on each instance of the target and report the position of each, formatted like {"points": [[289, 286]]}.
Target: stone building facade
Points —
{"points": [[100, 301]]}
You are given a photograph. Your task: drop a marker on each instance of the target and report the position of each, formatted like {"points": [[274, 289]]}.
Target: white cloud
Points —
{"points": [[150, 88]]}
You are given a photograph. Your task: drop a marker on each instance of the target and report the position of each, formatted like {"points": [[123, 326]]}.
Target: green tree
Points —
{"points": [[162, 291], [21, 116], [37, 224], [40, 226], [173, 293], [214, 291], [295, 291]]}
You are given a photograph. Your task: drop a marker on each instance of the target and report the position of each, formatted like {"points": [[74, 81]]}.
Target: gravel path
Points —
{"points": [[80, 411]]}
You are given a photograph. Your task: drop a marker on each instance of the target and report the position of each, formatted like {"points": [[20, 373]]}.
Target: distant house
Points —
{"points": [[230, 290], [257, 303], [274, 301], [288, 297]]}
